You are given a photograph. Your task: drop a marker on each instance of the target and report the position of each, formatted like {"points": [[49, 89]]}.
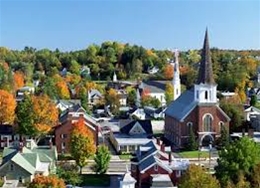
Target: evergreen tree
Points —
{"points": [[224, 138], [192, 145], [102, 159]]}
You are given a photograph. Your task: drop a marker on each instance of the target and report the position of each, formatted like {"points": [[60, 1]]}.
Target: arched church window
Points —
{"points": [[221, 125], [189, 124], [207, 123]]}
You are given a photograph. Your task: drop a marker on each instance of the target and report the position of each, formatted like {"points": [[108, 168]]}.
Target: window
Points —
{"points": [[123, 148], [63, 136], [156, 167], [11, 167], [63, 145], [197, 94], [178, 173], [206, 94], [20, 179], [207, 122], [131, 148], [221, 125], [189, 124]]}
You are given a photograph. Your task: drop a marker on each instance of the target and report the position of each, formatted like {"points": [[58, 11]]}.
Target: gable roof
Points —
{"points": [[181, 107], [24, 163], [153, 86], [145, 124]]}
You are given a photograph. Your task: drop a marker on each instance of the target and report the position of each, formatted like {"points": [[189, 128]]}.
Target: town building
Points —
{"points": [[154, 164], [131, 135], [197, 109], [64, 129], [22, 163]]}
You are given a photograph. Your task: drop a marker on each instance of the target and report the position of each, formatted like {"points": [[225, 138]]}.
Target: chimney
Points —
{"points": [[251, 133], [170, 157], [163, 148], [21, 147], [158, 141]]}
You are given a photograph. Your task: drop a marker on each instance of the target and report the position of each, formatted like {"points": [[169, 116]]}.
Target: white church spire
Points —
{"points": [[176, 81], [114, 77]]}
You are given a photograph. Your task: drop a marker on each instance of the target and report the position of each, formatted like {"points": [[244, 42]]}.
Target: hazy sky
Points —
{"points": [[160, 24]]}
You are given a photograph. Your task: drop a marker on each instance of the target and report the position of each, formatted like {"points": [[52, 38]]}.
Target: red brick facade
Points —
{"points": [[63, 132], [178, 132]]}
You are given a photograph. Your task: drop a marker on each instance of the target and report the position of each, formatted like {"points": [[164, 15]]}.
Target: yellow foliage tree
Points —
{"points": [[7, 107], [46, 113]]}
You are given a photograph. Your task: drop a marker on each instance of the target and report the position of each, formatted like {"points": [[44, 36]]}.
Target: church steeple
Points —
{"points": [[205, 88], [205, 72], [176, 81]]}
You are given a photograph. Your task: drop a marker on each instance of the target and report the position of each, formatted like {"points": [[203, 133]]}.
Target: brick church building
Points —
{"points": [[197, 108]]}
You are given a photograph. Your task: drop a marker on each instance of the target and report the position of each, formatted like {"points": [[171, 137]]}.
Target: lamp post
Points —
{"points": [[210, 147], [199, 153]]}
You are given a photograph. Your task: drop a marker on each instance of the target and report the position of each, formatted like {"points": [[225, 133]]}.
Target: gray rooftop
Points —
{"points": [[180, 108]]}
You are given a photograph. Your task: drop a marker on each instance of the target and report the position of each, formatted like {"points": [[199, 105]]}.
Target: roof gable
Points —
{"points": [[145, 124], [137, 129]]}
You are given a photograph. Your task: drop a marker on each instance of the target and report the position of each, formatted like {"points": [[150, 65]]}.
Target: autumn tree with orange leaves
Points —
{"points": [[82, 145], [45, 114], [168, 72], [18, 80], [47, 181], [7, 107]]}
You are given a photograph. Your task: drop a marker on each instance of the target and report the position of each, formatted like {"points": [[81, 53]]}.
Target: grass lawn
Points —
{"points": [[194, 154], [95, 180], [125, 156]]}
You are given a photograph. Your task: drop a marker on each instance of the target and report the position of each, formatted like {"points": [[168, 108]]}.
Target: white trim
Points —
{"points": [[137, 124]]}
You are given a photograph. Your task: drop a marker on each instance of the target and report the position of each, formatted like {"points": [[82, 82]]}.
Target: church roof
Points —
{"points": [[181, 107], [205, 72]]}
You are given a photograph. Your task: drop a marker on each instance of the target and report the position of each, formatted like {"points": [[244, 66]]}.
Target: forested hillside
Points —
{"points": [[234, 70]]}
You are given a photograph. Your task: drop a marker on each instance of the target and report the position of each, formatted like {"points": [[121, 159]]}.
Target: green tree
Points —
{"points": [[168, 92], [242, 183], [196, 176], [102, 159], [74, 67], [131, 98], [69, 173], [255, 176], [253, 100], [234, 112], [224, 138], [239, 156], [25, 117], [192, 144]]}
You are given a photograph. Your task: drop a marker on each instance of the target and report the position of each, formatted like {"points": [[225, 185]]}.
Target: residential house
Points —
{"points": [[132, 134], [8, 137], [138, 113], [252, 115], [153, 70], [63, 105], [154, 89], [122, 95], [22, 91], [155, 113], [197, 108], [155, 163], [64, 129], [22, 163], [94, 97]]}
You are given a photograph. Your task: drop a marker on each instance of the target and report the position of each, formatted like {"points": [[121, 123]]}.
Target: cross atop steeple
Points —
{"points": [[205, 72]]}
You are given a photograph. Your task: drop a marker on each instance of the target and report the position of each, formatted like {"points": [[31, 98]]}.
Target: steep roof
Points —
{"points": [[181, 107], [205, 72], [146, 125]]}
